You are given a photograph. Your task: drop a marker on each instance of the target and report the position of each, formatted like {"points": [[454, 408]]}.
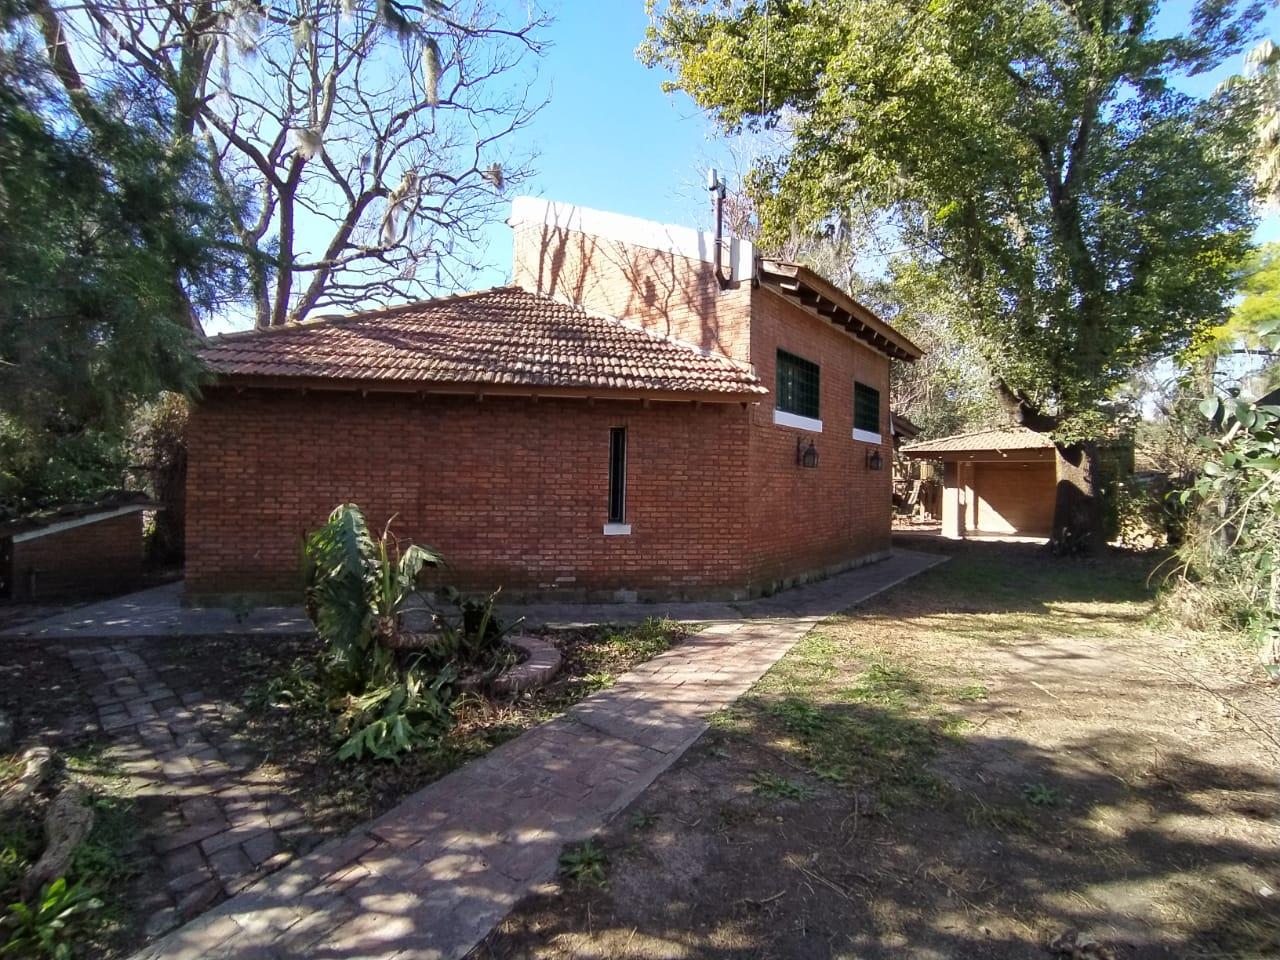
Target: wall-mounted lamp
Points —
{"points": [[806, 456], [874, 460]]}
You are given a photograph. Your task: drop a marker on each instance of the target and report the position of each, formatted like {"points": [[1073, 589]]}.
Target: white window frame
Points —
{"points": [[867, 436]]}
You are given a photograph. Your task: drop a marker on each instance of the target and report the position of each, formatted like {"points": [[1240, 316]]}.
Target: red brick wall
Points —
{"points": [[515, 493], [802, 519], [511, 492], [91, 559], [670, 295]]}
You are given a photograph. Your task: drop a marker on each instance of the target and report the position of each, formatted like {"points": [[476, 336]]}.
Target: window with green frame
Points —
{"points": [[798, 386], [866, 408]]}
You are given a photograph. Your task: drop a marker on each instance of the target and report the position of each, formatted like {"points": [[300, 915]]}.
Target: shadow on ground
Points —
{"points": [[998, 753], [741, 851]]}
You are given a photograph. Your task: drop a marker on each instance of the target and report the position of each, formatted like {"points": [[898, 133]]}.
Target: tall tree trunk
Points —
{"points": [[1077, 510]]}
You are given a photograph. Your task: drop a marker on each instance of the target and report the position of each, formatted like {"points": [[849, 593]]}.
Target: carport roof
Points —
{"points": [[980, 441]]}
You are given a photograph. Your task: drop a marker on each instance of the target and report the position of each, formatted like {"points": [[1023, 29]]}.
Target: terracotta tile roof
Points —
{"points": [[1006, 438], [504, 336]]}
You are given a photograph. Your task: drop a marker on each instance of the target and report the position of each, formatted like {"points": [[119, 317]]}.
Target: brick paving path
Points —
{"points": [[430, 878], [229, 828]]}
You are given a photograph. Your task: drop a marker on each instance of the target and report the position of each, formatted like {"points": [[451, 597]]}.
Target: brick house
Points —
{"points": [[639, 415]]}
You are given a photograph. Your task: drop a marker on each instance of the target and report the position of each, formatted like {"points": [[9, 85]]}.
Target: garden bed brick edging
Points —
{"points": [[541, 663]]}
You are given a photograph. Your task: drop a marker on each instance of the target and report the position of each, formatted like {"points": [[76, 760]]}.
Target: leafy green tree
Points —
{"points": [[1261, 78], [949, 389], [95, 218], [1082, 214], [1242, 335]]}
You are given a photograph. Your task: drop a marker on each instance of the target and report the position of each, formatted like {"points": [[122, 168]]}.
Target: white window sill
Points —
{"points": [[866, 436], [784, 419], [617, 529]]}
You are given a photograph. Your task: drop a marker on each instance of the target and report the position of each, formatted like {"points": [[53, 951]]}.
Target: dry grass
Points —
{"points": [[1003, 749]]}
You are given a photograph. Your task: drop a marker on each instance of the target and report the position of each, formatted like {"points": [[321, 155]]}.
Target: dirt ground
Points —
{"points": [[1006, 757]]}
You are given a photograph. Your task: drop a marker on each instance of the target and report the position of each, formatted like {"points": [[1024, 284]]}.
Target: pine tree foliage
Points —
{"points": [[97, 220]]}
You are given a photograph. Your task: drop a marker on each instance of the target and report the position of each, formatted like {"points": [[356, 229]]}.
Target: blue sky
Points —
{"points": [[611, 139]]}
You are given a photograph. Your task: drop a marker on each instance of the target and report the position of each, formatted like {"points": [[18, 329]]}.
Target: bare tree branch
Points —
{"points": [[312, 118]]}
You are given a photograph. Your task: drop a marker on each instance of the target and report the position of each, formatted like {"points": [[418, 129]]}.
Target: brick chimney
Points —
{"points": [[649, 274]]}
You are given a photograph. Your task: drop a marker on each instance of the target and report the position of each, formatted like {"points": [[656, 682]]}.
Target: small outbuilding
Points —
{"points": [[79, 550], [1001, 481]]}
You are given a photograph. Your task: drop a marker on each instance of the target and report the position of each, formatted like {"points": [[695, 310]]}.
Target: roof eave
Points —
{"points": [[980, 453], [828, 302], [482, 389]]}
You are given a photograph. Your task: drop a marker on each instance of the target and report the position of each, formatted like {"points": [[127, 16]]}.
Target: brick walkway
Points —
{"points": [[433, 876], [230, 827]]}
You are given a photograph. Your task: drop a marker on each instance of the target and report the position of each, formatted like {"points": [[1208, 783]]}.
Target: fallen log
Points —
{"points": [[67, 823]]}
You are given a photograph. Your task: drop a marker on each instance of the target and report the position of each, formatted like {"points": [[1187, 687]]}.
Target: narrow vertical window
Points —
{"points": [[617, 474]]}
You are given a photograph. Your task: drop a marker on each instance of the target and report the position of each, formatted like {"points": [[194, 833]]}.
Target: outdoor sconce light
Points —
{"points": [[806, 456], [874, 460]]}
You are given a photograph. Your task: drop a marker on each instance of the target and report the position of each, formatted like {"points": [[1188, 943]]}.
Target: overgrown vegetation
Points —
{"points": [[1230, 573], [84, 911], [392, 689]]}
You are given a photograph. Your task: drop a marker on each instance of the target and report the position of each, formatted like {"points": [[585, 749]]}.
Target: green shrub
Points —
{"points": [[1230, 571], [470, 634], [356, 592], [394, 718], [392, 688], [45, 928]]}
